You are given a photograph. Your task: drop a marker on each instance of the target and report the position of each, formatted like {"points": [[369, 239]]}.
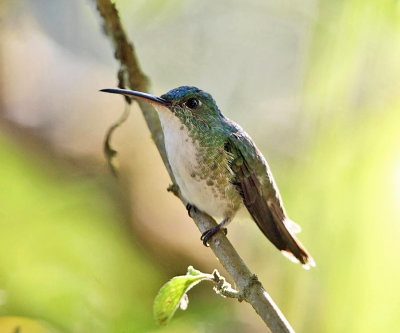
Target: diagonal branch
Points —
{"points": [[131, 75]]}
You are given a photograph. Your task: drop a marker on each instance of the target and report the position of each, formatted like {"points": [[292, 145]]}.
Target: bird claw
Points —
{"points": [[189, 208], [205, 237]]}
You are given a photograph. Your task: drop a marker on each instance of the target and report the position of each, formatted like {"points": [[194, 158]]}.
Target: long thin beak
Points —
{"points": [[139, 95]]}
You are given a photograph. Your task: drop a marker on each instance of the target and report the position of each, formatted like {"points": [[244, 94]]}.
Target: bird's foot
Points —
{"points": [[205, 237], [191, 208]]}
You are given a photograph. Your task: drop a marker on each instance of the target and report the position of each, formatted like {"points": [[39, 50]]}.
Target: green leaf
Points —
{"points": [[173, 294]]}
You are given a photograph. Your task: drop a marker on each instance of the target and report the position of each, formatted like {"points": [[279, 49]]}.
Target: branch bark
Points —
{"points": [[131, 75]]}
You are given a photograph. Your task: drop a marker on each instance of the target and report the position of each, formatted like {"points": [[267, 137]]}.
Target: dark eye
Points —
{"points": [[192, 103]]}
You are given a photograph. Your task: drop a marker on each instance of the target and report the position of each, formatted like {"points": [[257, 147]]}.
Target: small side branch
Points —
{"points": [[249, 287], [224, 288]]}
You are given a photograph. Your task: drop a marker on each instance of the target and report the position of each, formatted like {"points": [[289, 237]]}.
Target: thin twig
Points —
{"points": [[250, 288], [109, 151]]}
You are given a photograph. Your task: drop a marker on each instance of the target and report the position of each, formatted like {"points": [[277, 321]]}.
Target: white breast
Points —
{"points": [[181, 152]]}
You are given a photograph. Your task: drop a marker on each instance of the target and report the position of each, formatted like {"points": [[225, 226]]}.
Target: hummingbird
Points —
{"points": [[218, 167]]}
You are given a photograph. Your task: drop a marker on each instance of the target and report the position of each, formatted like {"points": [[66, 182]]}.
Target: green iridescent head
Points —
{"points": [[192, 99], [182, 101]]}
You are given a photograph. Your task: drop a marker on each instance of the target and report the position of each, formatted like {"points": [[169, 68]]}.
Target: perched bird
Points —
{"points": [[218, 168]]}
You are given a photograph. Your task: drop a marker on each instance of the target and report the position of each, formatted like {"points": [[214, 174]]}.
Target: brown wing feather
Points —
{"points": [[266, 210]]}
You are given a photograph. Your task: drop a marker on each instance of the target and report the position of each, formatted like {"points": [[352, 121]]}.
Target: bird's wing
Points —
{"points": [[260, 195]]}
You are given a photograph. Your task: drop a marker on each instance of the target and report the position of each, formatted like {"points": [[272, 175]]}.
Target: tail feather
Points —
{"points": [[279, 230], [284, 239], [292, 245]]}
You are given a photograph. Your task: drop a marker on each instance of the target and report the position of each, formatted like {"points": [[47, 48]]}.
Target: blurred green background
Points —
{"points": [[316, 83]]}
